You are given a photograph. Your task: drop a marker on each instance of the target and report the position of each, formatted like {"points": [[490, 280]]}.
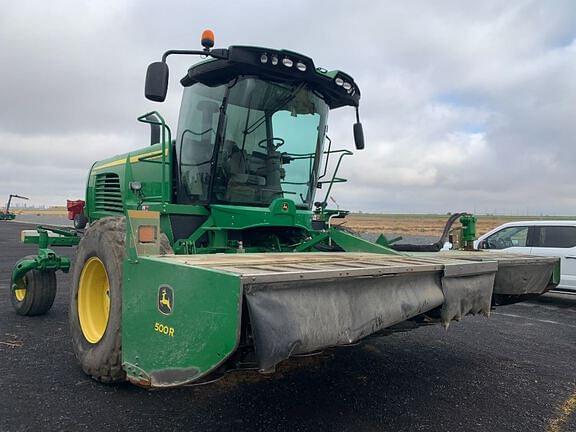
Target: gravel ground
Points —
{"points": [[512, 372], [43, 219]]}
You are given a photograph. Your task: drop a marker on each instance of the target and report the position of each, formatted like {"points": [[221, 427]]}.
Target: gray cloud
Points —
{"points": [[465, 105]]}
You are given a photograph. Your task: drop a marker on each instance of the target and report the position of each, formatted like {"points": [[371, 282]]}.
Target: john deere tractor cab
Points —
{"points": [[252, 125], [250, 141], [208, 252]]}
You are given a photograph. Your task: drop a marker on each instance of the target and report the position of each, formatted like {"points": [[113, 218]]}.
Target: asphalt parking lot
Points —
{"points": [[515, 371]]}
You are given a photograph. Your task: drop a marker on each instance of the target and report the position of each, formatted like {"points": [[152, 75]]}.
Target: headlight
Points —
{"points": [[301, 67], [264, 58], [347, 86], [287, 62], [274, 60], [339, 81]]}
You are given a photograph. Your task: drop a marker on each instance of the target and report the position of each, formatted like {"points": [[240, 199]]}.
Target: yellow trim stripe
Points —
{"points": [[110, 164], [133, 159]]}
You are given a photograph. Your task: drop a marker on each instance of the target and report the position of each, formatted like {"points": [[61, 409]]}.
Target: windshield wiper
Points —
{"points": [[258, 122]]}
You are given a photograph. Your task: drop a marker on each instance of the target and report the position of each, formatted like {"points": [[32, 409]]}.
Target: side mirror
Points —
{"points": [[358, 136], [154, 129], [156, 82]]}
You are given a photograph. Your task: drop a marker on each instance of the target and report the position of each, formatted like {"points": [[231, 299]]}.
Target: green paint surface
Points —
{"points": [[205, 319]]}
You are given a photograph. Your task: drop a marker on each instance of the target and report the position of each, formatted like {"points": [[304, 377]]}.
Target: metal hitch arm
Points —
{"points": [[47, 259]]}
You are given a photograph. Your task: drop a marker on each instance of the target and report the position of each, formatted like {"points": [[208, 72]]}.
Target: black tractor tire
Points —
{"points": [[39, 294], [80, 221], [104, 239]]}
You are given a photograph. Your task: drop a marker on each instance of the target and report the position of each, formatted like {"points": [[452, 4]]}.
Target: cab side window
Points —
{"points": [[508, 237], [555, 236]]}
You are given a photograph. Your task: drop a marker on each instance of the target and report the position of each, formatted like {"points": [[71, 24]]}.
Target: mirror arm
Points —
{"points": [[156, 84], [216, 53]]}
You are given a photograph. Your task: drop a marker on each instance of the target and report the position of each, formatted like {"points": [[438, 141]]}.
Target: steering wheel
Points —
{"points": [[498, 243], [271, 140]]}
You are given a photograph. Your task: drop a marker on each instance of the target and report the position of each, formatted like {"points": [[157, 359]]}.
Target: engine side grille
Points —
{"points": [[107, 194]]}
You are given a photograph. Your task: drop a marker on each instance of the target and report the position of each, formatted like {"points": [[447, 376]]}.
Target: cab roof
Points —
{"points": [[337, 87]]}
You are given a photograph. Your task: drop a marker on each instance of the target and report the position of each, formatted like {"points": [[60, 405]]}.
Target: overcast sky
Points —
{"points": [[465, 105]]}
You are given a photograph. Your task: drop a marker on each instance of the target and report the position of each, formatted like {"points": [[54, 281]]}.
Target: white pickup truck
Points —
{"points": [[544, 238]]}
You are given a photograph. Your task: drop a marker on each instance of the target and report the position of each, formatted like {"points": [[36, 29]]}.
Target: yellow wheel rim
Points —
{"points": [[20, 292], [93, 300]]}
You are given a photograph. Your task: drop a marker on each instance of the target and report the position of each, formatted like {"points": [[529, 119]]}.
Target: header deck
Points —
{"points": [[279, 267]]}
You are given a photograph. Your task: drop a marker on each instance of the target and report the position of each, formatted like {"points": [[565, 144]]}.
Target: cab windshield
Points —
{"points": [[267, 145]]}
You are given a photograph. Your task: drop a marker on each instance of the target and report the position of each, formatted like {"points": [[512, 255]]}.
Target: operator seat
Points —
{"points": [[242, 185]]}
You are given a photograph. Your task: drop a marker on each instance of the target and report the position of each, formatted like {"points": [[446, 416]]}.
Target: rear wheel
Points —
{"points": [[35, 292], [96, 299], [80, 221]]}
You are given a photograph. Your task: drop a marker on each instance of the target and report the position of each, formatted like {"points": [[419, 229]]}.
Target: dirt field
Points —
{"points": [[428, 225], [52, 211], [425, 225]]}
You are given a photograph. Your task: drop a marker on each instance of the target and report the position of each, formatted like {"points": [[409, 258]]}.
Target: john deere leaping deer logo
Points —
{"points": [[165, 299], [285, 206]]}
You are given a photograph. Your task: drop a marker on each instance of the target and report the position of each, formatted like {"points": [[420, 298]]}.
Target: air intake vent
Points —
{"points": [[108, 197]]}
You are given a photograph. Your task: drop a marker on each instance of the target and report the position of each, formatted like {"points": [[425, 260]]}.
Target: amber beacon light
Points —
{"points": [[207, 39]]}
